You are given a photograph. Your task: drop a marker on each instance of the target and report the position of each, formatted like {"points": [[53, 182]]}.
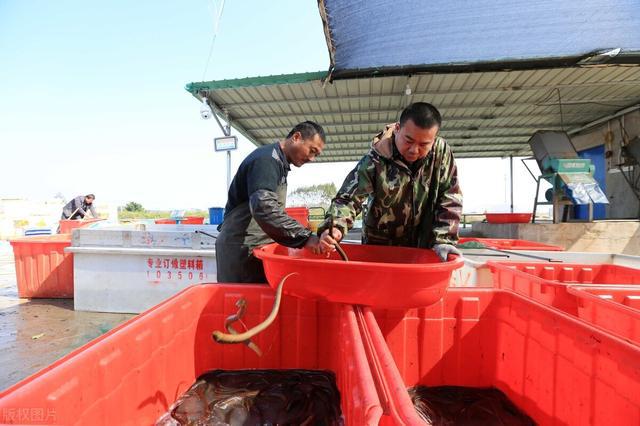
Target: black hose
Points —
{"points": [[206, 233]]}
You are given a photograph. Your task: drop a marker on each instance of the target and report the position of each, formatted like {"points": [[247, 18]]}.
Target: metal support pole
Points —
{"points": [[228, 170], [511, 179], [226, 130], [535, 200], [558, 215]]}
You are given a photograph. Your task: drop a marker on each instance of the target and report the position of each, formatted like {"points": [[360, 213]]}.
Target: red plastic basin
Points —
{"points": [[301, 214], [616, 309], [67, 226], [547, 282], [132, 374], [381, 276], [508, 217], [43, 269], [511, 244], [556, 368]]}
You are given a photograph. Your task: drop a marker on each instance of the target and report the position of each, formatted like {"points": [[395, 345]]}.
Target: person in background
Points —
{"points": [[79, 207], [409, 181], [254, 214]]}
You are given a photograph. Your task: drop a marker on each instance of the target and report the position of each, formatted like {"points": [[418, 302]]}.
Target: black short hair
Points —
{"points": [[424, 115], [308, 129], [93, 197]]}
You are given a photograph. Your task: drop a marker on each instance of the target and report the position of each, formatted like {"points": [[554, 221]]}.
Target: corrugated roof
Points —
{"points": [[404, 36], [486, 114]]}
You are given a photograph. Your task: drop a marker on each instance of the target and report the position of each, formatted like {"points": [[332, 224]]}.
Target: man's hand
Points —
{"points": [[444, 250], [313, 244], [328, 242]]}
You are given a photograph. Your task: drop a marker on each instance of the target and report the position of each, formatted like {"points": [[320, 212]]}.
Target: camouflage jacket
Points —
{"points": [[413, 206]]}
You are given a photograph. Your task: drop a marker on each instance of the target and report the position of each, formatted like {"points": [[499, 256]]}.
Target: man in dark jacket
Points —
{"points": [[78, 207], [409, 180], [254, 214]]}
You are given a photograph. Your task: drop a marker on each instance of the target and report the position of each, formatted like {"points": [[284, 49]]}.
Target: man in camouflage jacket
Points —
{"points": [[409, 181]]}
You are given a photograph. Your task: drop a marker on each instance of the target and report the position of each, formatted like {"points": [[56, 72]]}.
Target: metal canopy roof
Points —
{"points": [[485, 114]]}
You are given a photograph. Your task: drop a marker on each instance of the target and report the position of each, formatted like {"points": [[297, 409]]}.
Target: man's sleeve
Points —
{"points": [[449, 203], [92, 209], [77, 204], [263, 178], [353, 193]]}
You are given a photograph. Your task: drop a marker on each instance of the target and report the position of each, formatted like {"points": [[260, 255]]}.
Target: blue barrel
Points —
{"points": [[215, 215]]}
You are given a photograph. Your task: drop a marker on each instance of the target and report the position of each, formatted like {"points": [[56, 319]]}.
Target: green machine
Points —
{"points": [[570, 176]]}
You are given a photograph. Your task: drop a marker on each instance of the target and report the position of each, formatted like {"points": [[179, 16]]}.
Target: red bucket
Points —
{"points": [[508, 217], [301, 214], [380, 276]]}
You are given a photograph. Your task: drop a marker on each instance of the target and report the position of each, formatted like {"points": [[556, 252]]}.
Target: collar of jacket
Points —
{"points": [[277, 151], [383, 144]]}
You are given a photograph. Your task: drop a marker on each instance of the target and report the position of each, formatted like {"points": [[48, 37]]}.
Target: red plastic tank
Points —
{"points": [[547, 282], [508, 217], [511, 244], [381, 276], [67, 226], [301, 214], [616, 309], [43, 269], [133, 373], [192, 220], [556, 368]]}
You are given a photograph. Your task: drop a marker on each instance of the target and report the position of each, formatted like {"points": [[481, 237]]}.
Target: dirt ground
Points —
{"points": [[34, 333]]}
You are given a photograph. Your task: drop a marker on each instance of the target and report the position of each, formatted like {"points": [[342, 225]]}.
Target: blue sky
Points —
{"points": [[92, 98]]}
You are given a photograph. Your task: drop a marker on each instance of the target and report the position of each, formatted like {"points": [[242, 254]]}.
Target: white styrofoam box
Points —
{"points": [[132, 280], [164, 238]]}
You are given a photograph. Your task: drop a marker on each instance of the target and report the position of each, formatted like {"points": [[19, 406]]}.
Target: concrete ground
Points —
{"points": [[34, 333]]}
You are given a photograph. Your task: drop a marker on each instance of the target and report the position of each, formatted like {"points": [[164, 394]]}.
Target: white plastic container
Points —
{"points": [[131, 280], [129, 271]]}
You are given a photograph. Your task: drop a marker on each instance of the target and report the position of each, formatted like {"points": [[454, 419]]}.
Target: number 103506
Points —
{"points": [[176, 275]]}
